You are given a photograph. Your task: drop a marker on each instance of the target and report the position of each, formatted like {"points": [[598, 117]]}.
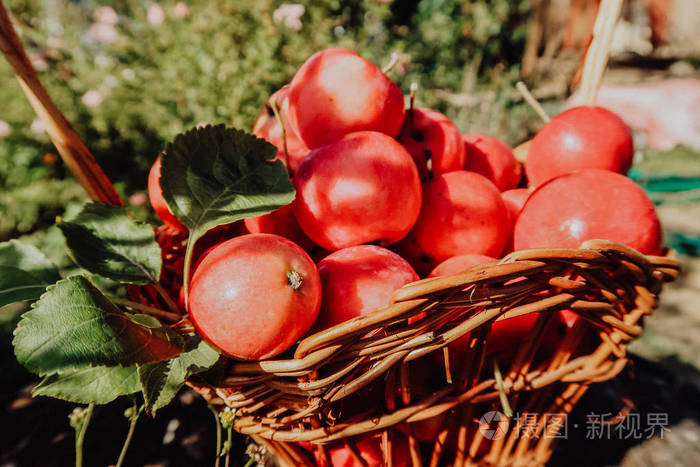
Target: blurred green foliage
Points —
{"points": [[130, 87]]}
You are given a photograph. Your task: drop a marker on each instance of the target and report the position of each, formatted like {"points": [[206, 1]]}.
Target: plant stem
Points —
{"points": [[174, 317], [392, 63], [250, 462], [218, 433], [80, 436], [278, 116], [132, 426], [172, 306], [530, 99], [229, 433]]}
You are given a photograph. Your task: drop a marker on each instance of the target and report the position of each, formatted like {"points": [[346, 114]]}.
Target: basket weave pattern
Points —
{"points": [[356, 377]]}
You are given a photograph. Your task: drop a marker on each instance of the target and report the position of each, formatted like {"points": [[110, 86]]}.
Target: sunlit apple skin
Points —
{"points": [[370, 449], [514, 200], [268, 128], [361, 189], [457, 264], [585, 205], [579, 138], [493, 159], [280, 222], [359, 280], [253, 296], [463, 214], [155, 194], [336, 92], [428, 134]]}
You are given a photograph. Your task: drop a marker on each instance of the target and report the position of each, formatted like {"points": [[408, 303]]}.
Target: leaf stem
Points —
{"points": [[278, 116], [172, 306], [132, 426], [174, 317], [218, 434], [227, 444], [80, 435], [250, 462]]}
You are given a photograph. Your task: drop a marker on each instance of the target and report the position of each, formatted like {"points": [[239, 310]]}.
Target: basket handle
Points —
{"points": [[75, 154]]}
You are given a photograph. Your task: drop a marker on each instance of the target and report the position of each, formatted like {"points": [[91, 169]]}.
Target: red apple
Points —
{"points": [[584, 205], [155, 194], [492, 158], [370, 449], [457, 264], [429, 135], [463, 213], [336, 92], [514, 200], [579, 138], [361, 189], [359, 280], [268, 128], [253, 296], [280, 222]]}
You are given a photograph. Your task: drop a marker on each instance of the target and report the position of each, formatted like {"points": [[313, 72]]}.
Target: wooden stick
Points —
{"points": [[74, 153], [599, 50], [530, 99]]}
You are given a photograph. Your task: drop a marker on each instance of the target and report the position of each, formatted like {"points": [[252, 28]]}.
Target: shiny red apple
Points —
{"points": [[584, 205], [253, 296], [336, 92], [280, 222], [579, 138], [155, 195], [492, 158], [363, 188], [431, 136]]}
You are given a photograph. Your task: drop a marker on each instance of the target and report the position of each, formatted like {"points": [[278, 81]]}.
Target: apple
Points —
{"points": [[155, 194], [253, 296], [457, 264], [267, 127], [514, 200], [579, 138], [359, 280], [280, 222], [371, 452], [493, 159], [584, 205], [430, 135], [336, 92], [363, 188], [426, 430], [463, 213]]}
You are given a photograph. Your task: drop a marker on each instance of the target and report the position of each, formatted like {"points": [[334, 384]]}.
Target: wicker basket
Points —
{"points": [[360, 376]]}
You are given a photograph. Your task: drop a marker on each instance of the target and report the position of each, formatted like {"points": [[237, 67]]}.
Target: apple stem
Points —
{"points": [[275, 109], [411, 103], [392, 63], [530, 99], [294, 279]]}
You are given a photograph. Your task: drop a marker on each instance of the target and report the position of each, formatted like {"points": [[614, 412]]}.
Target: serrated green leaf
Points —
{"points": [[104, 240], [74, 326], [24, 272], [99, 385], [216, 175], [161, 381]]}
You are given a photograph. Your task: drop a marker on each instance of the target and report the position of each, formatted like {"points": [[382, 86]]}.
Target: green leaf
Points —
{"points": [[161, 381], [104, 240], [74, 326], [24, 272], [99, 385], [216, 175]]}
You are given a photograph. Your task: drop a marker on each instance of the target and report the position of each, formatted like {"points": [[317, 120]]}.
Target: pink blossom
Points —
{"points": [[138, 199], [5, 129], [92, 98], [180, 10], [290, 14], [155, 14], [37, 126], [103, 32], [106, 15]]}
